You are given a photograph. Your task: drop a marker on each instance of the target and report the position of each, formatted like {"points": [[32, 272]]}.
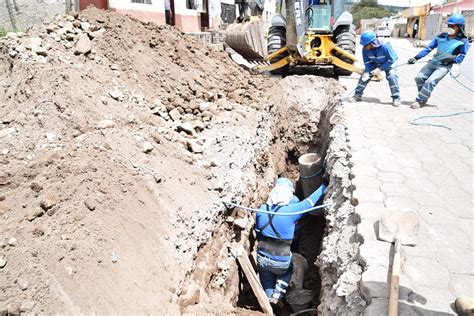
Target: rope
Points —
{"points": [[459, 82], [414, 121], [394, 67], [455, 77], [273, 213]]}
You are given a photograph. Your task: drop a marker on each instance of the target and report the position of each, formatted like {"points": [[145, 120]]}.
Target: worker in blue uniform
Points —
{"points": [[275, 234], [452, 47], [378, 56]]}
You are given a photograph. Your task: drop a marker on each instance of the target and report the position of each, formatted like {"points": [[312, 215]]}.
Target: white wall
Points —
{"points": [[180, 8], [215, 11], [156, 6]]}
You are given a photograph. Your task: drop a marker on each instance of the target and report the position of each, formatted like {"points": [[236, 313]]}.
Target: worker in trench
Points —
{"points": [[378, 56], [275, 235], [452, 47]]}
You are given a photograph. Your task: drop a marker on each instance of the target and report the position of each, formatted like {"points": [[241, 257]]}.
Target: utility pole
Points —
{"points": [[10, 13], [68, 6]]}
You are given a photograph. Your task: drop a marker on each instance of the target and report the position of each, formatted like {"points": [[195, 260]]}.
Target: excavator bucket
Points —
{"points": [[247, 39]]}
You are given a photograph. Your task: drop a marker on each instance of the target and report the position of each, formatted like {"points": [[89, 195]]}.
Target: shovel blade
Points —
{"points": [[401, 225]]}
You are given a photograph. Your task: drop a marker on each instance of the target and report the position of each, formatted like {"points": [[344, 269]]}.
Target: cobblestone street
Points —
{"points": [[427, 169]]}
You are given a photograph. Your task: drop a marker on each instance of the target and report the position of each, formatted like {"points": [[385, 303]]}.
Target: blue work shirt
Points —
{"points": [[457, 50], [285, 225], [381, 57]]}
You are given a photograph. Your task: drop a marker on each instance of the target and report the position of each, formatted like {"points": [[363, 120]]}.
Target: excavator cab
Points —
{"points": [[318, 17]]}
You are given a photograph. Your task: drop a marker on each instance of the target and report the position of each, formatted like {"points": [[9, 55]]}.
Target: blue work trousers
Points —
{"points": [[428, 77], [274, 275], [392, 77]]}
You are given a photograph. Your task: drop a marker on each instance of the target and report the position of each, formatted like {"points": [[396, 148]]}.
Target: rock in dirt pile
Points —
{"points": [[117, 138]]}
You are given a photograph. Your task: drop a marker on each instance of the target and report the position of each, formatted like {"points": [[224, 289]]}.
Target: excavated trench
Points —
{"points": [[306, 121], [307, 243]]}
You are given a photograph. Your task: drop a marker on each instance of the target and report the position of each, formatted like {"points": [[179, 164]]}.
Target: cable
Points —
{"points": [[275, 213], [309, 17]]}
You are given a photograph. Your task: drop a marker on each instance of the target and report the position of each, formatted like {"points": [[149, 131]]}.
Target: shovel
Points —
{"points": [[400, 228]]}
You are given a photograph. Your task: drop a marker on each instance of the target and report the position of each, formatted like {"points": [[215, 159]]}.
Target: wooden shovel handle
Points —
{"points": [[394, 281]]}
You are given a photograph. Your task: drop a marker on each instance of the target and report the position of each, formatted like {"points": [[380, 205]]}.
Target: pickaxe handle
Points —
{"points": [[395, 280]]}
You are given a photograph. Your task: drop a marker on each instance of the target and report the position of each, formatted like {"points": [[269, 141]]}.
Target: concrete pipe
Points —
{"points": [[300, 266], [311, 173]]}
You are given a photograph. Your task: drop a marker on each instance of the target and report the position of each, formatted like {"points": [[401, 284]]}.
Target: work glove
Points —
{"points": [[447, 61], [365, 76], [412, 60], [376, 72]]}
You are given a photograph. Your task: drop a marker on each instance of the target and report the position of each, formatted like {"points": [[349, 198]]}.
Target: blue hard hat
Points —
{"points": [[367, 37], [456, 19], [284, 182]]}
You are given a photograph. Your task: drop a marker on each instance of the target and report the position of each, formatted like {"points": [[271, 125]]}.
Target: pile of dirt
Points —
{"points": [[106, 191], [118, 141]]}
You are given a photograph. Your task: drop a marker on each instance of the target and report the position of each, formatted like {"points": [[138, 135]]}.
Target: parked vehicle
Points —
{"points": [[382, 31]]}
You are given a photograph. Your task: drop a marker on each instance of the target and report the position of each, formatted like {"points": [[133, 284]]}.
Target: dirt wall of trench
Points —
{"points": [[306, 119]]}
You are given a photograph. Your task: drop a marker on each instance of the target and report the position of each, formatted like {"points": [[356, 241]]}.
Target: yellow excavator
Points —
{"points": [[302, 32]]}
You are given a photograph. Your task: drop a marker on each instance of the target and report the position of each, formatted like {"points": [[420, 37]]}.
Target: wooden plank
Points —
{"points": [[254, 281]]}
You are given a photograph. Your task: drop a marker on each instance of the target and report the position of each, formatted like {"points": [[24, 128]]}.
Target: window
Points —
{"points": [[191, 4], [142, 1]]}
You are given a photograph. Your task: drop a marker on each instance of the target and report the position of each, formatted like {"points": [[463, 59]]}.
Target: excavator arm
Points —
{"points": [[249, 8], [246, 36]]}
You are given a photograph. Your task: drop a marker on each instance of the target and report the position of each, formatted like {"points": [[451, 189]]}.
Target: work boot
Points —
{"points": [[465, 306], [396, 103], [416, 105], [355, 98], [276, 302]]}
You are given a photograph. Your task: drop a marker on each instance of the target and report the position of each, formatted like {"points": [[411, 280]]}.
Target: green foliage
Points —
{"points": [[4, 32], [367, 9]]}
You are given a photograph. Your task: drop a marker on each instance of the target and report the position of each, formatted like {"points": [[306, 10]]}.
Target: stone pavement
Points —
{"points": [[397, 165]]}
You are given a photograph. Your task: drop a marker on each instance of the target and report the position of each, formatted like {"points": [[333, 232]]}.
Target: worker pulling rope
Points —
{"points": [[347, 95], [418, 118]]}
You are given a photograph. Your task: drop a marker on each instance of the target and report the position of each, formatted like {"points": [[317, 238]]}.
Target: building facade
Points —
{"points": [[465, 7], [187, 15], [147, 11], [417, 15]]}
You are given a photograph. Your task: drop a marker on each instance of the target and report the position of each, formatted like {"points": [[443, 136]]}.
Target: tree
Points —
{"points": [[367, 9]]}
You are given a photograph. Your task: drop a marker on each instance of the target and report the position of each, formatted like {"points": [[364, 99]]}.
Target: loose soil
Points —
{"points": [[119, 140]]}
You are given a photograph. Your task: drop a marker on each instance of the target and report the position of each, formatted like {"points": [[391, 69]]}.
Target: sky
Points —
{"points": [[407, 3]]}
